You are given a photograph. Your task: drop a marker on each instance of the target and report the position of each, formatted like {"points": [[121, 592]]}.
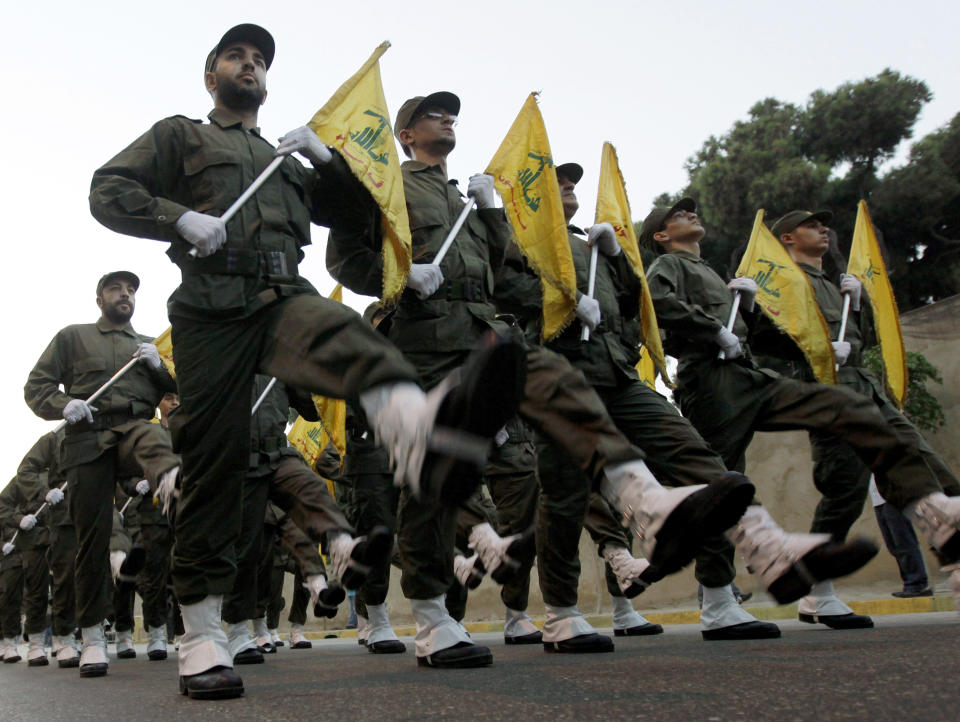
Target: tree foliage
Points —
{"points": [[920, 406], [826, 154]]}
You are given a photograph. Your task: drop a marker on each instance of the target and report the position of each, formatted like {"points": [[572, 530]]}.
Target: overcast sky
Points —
{"points": [[654, 78]]}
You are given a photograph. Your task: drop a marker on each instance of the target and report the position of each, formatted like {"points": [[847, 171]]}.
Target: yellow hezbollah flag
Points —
{"points": [[866, 263], [356, 122], [787, 299], [523, 175], [164, 344], [646, 369], [614, 208]]}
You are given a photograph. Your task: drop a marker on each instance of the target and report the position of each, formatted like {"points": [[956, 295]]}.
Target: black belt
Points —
{"points": [[461, 289], [101, 422], [274, 265]]}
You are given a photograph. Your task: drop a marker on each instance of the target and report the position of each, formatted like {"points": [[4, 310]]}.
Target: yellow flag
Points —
{"points": [[333, 412], [614, 208], [646, 369], [787, 299], [309, 438], [356, 122], [523, 174], [866, 263], [164, 344]]}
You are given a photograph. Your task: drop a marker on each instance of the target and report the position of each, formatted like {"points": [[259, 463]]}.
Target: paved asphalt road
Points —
{"points": [[905, 669]]}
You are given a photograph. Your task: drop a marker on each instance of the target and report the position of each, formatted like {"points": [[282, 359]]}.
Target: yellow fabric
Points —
{"points": [[866, 263], [613, 207], [164, 344], [523, 174], [646, 369], [356, 122], [787, 299]]}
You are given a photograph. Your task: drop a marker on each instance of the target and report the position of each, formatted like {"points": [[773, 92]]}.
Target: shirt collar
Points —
{"points": [[226, 119], [127, 329], [689, 256], [812, 270]]}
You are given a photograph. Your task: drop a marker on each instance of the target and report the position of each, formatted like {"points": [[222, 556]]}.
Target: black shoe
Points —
{"points": [[216, 683], [362, 642], [839, 621], [11, 660], [747, 630], [328, 601], [69, 663], [910, 594], [127, 654], [248, 656], [582, 644], [279, 643], [641, 630], [387, 646], [487, 394], [38, 661], [157, 655], [93, 670], [268, 648], [374, 547], [532, 638], [302, 644], [827, 561], [710, 511], [459, 656]]}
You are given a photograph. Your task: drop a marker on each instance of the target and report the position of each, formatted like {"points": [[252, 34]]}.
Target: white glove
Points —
{"points": [[729, 343], [205, 233], [78, 410], [54, 497], [851, 284], [142, 487], [841, 351], [588, 311], [7, 548], [605, 238], [167, 489], [425, 278], [315, 584], [748, 291], [304, 141], [480, 187], [27, 522], [149, 354]]}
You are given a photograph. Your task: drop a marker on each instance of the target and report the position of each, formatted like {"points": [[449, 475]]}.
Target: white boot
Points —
{"points": [[823, 606], [938, 517], [632, 489], [436, 629], [627, 622], [93, 655], [125, 648], [157, 646], [10, 652], [565, 623], [518, 628], [381, 639], [722, 618], [116, 561], [66, 651], [627, 569], [275, 638], [467, 571], [260, 631], [204, 644], [774, 555], [36, 655], [363, 629], [239, 638], [298, 639]]}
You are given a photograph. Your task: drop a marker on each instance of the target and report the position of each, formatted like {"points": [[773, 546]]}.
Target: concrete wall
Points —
{"points": [[780, 464]]}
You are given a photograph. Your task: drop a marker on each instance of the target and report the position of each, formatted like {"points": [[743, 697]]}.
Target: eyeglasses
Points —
{"points": [[438, 115]]}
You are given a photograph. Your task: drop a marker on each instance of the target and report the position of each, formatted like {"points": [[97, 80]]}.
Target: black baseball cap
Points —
{"points": [[247, 33], [789, 221], [657, 217], [573, 172], [132, 277]]}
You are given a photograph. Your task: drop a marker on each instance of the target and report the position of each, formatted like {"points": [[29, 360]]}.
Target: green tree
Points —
{"points": [[920, 406]]}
